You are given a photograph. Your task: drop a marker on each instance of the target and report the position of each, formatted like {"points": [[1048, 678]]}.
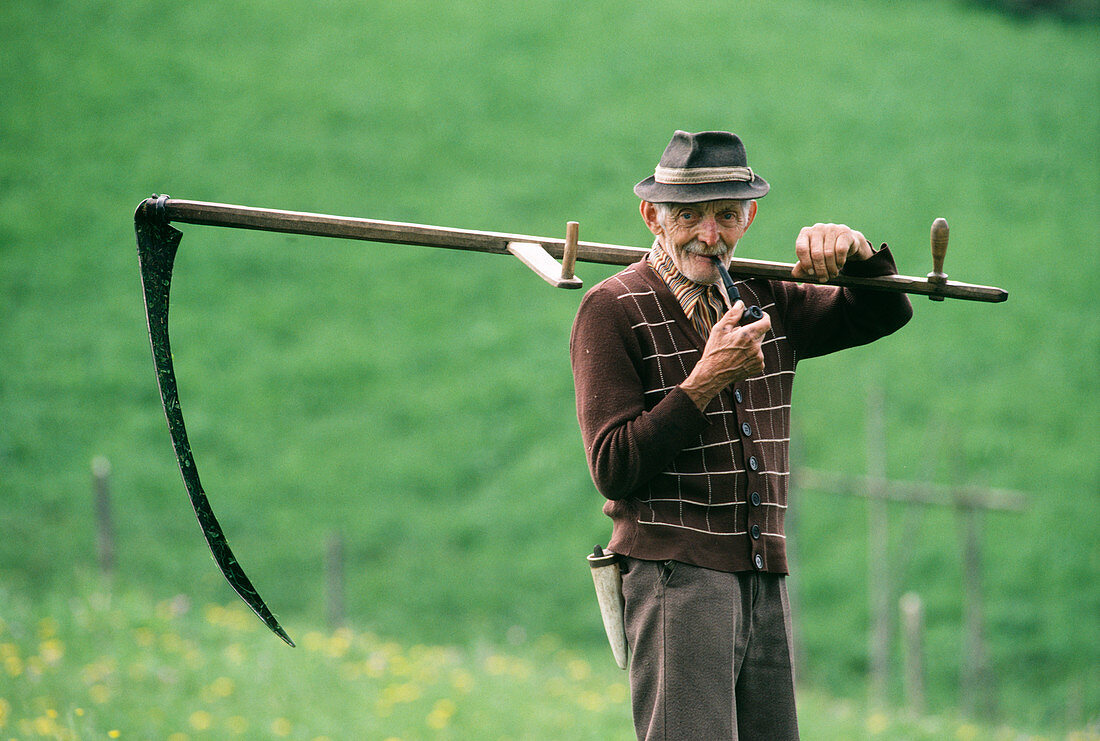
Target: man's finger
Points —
{"points": [[831, 243], [817, 255], [761, 326], [735, 312], [844, 248], [804, 267]]}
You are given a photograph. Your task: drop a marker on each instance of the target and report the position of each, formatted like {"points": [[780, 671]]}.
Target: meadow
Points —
{"points": [[419, 402], [125, 666]]}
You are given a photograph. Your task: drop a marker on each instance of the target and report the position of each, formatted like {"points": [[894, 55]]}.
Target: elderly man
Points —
{"points": [[685, 414]]}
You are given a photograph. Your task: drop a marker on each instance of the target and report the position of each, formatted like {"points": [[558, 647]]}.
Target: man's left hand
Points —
{"points": [[822, 250]]}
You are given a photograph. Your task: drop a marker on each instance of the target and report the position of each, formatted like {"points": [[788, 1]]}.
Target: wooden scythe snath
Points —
{"points": [[158, 241]]}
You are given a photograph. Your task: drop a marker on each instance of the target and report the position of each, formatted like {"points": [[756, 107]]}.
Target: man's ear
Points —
{"points": [[649, 216], [752, 213]]}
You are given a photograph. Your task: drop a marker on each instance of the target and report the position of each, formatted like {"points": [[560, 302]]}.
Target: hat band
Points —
{"points": [[694, 175]]}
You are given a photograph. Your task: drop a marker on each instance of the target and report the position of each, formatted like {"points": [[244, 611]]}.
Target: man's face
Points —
{"points": [[694, 233]]}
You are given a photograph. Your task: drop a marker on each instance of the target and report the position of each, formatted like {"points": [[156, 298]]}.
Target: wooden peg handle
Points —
{"points": [[940, 232], [937, 277], [569, 254]]}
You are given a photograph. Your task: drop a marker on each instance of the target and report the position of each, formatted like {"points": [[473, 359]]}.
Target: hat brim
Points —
{"points": [[654, 192]]}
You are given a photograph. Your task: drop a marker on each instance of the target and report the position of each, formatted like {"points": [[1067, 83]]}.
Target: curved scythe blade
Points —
{"points": [[157, 243]]}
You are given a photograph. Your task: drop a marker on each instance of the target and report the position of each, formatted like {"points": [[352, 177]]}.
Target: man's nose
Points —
{"points": [[708, 231]]}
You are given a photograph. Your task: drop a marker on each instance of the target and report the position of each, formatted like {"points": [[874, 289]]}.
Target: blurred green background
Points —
{"points": [[419, 402]]}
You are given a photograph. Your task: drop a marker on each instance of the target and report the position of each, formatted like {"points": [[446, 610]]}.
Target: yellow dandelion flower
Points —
{"points": [[98, 670], [877, 723], [195, 658], [496, 664], [313, 641], [200, 720], [213, 614], [234, 654], [222, 687], [174, 607], [51, 650], [78, 712], [462, 680], [281, 727], [338, 645], [404, 692], [441, 714], [520, 669], [237, 725], [556, 686], [400, 666], [13, 665], [47, 628], [579, 669], [591, 701], [966, 732], [375, 666], [114, 733], [35, 667], [171, 642]]}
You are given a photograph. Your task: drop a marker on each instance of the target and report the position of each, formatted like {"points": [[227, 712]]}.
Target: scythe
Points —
{"points": [[158, 241]]}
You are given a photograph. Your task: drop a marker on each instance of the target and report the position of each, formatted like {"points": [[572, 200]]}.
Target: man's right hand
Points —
{"points": [[732, 354]]}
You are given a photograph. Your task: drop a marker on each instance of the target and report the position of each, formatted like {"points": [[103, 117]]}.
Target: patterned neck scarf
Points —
{"points": [[703, 304]]}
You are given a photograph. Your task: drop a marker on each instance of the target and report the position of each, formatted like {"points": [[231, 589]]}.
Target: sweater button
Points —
{"points": [[753, 463], [745, 428], [755, 499], [737, 395], [759, 561], [755, 532]]}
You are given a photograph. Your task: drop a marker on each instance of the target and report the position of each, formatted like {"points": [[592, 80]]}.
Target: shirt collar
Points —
{"points": [[686, 291]]}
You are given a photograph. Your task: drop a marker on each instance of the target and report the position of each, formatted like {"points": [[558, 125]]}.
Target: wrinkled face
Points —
{"points": [[694, 233]]}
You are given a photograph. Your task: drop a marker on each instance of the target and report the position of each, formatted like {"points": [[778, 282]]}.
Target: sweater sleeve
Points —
{"points": [[626, 444], [824, 319]]}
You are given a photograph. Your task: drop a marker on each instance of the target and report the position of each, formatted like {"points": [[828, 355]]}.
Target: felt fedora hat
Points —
{"points": [[708, 166]]}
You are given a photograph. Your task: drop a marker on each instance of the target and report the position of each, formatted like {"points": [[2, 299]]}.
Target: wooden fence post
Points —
{"points": [[878, 550], [975, 688], [970, 502], [105, 530], [912, 621]]}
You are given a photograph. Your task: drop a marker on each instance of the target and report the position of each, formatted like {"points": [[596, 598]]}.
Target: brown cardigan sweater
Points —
{"points": [[709, 488]]}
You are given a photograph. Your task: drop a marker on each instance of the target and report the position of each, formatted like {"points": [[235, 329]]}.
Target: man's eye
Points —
{"points": [[687, 216]]}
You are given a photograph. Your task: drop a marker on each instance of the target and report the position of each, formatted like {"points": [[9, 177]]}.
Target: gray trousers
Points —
{"points": [[711, 653]]}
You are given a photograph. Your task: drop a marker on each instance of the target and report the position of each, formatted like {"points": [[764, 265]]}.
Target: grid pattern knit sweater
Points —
{"points": [[709, 487]]}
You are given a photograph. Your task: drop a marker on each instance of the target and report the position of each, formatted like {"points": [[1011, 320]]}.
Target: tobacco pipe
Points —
{"points": [[752, 313]]}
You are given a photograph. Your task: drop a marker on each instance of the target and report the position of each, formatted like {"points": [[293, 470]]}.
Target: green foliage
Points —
{"points": [[97, 666], [420, 401]]}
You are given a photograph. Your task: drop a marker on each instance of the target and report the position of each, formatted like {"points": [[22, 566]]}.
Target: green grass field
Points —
{"points": [[130, 667], [419, 401]]}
